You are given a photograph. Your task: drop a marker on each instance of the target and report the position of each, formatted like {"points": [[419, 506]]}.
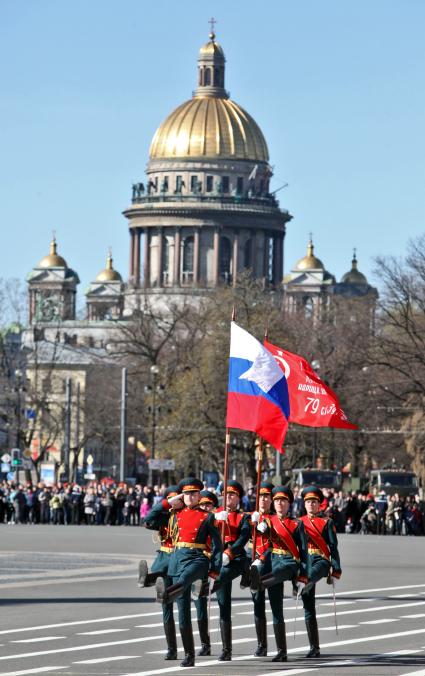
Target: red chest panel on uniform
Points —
{"points": [[189, 521], [261, 540], [231, 525], [281, 535], [314, 528]]}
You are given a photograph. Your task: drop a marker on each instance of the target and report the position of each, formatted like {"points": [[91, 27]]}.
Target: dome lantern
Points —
{"points": [[211, 69]]}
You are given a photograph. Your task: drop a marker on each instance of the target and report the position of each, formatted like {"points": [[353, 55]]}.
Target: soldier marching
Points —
{"points": [[203, 549]]}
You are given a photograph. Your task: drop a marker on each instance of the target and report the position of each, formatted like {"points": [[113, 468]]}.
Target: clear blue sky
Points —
{"points": [[338, 89]]}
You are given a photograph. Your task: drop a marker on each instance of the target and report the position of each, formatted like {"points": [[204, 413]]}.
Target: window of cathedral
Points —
{"points": [[165, 267], [225, 259], [239, 185], [225, 184], [179, 184], [188, 258], [308, 307], [165, 184], [209, 186], [193, 184], [207, 76], [248, 253]]}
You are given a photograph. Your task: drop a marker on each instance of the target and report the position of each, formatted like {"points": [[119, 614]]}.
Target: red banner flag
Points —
{"points": [[312, 402]]}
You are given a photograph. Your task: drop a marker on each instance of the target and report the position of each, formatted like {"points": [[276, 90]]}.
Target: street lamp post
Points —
{"points": [[316, 367], [18, 378], [154, 374]]}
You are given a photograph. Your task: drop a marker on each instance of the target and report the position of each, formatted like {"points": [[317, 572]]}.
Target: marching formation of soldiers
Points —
{"points": [[203, 549]]}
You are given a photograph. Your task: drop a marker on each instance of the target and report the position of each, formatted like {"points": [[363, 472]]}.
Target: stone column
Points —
{"points": [[279, 258], [266, 261], [216, 256], [136, 257], [235, 257], [254, 240], [146, 258], [160, 255], [131, 275], [177, 243], [196, 257]]}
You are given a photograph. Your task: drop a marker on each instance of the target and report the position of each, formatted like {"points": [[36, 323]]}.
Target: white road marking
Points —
{"points": [[290, 671], [39, 670], [99, 631], [383, 620], [412, 617], [338, 603], [340, 626], [38, 639], [415, 673], [99, 660], [69, 580]]}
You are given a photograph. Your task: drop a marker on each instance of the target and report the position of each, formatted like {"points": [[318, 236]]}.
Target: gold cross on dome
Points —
{"points": [[212, 23]]}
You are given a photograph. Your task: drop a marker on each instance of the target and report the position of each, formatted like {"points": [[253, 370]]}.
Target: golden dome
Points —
{"points": [[109, 274], [211, 48], [310, 262], [53, 260], [354, 276], [209, 126]]}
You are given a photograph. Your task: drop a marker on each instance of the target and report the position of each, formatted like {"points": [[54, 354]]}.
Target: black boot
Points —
{"points": [[188, 646], [146, 579], [245, 578], [261, 629], [170, 637], [167, 594], [255, 576], [280, 636], [313, 637], [226, 639], [205, 638]]}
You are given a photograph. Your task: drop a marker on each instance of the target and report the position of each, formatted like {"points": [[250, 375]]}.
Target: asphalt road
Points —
{"points": [[69, 605]]}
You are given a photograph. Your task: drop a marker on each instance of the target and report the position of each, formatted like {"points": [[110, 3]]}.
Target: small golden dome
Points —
{"points": [[213, 127], [109, 274], [53, 260], [211, 48], [310, 262], [354, 276]]}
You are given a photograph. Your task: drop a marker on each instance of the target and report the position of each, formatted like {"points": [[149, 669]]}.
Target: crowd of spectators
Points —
{"points": [[123, 505]]}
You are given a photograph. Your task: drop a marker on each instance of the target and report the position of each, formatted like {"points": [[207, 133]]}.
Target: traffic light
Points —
{"points": [[16, 457]]}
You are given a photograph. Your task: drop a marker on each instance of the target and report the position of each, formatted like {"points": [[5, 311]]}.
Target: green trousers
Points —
{"points": [[224, 594], [319, 568]]}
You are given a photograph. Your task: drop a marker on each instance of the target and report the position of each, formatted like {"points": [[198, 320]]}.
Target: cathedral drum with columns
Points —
{"points": [[206, 212]]}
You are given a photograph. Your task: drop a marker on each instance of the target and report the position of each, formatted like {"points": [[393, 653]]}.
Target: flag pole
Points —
{"points": [[259, 471], [257, 496], [226, 454]]}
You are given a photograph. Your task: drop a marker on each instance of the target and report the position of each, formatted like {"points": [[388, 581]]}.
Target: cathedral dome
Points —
{"points": [[53, 260], [210, 125], [310, 262], [109, 274], [354, 276]]}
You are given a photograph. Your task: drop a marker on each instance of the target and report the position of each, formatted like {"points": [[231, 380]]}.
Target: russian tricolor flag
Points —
{"points": [[258, 398]]}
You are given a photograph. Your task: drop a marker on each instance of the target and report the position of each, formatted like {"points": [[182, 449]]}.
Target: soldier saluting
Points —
{"points": [[190, 529], [159, 519], [288, 544], [323, 559]]}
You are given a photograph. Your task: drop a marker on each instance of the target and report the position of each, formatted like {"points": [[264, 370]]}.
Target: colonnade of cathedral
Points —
{"points": [[205, 257]]}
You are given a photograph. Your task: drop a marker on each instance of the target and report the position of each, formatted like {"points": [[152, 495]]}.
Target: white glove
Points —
{"points": [[300, 587], [257, 563], [255, 516], [225, 560], [262, 527], [211, 583], [221, 516], [172, 501]]}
